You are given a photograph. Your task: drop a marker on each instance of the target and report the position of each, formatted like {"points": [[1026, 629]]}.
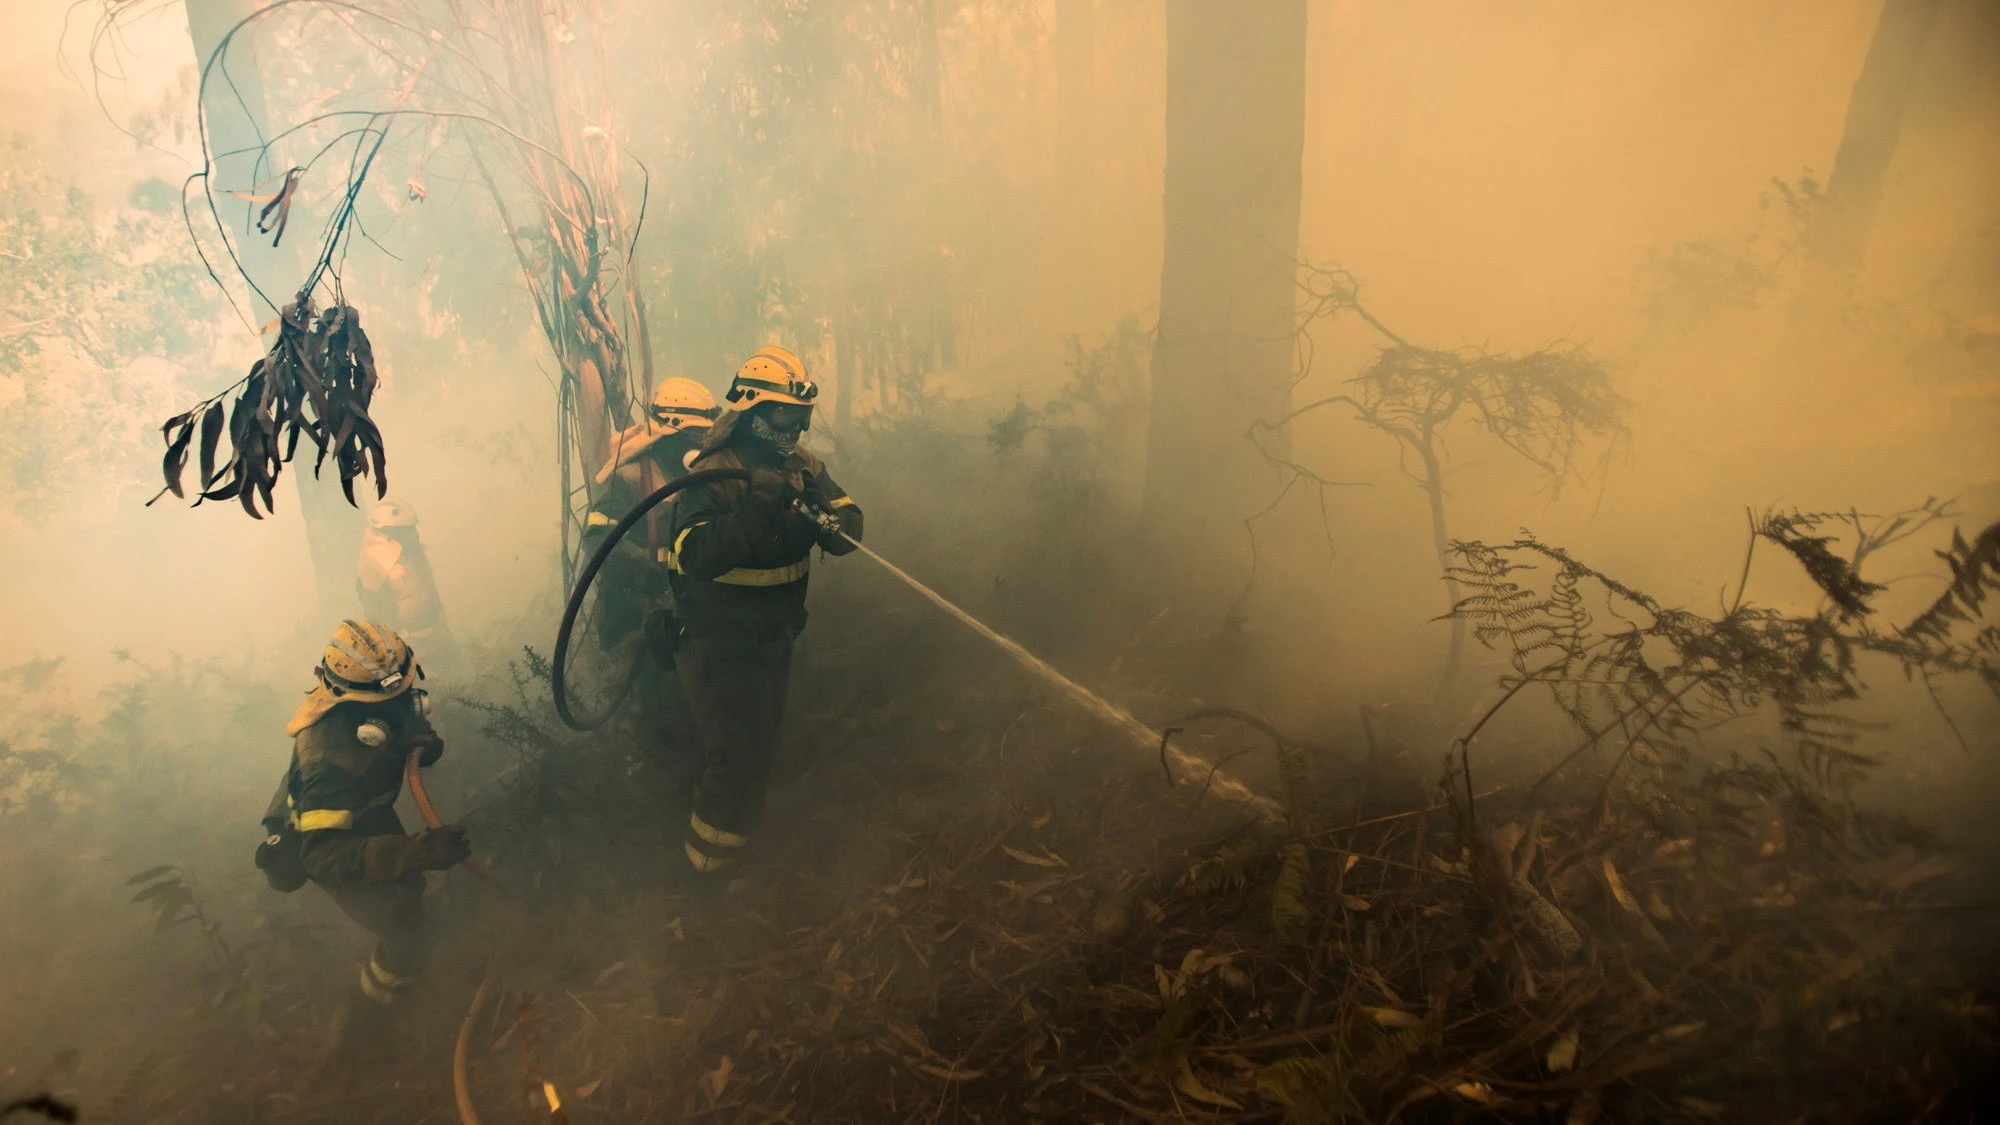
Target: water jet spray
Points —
{"points": [[1113, 715]]}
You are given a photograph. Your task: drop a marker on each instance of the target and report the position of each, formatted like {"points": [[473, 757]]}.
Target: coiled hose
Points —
{"points": [[558, 681]]}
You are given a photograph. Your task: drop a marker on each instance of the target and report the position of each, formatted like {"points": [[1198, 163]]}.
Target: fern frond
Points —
{"points": [[1288, 896], [1668, 673], [1975, 573], [1835, 576]]}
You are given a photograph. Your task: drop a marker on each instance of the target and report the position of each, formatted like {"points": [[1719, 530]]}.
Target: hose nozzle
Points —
{"points": [[829, 524]]}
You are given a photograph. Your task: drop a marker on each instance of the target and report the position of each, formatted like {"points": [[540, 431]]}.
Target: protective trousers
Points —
{"points": [[394, 913], [668, 721], [736, 689]]}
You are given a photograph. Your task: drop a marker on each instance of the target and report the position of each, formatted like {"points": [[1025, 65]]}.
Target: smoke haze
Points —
{"points": [[1640, 182]]}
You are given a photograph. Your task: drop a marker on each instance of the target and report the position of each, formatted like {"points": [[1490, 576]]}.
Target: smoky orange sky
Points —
{"points": [[1494, 175]]}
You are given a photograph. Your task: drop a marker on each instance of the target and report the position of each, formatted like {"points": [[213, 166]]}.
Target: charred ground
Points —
{"points": [[976, 905]]}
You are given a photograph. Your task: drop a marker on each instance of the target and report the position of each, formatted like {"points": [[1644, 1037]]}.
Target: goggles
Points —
{"points": [[805, 390], [340, 685]]}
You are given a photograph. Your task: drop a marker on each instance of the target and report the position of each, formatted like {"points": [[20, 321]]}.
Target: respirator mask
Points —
{"points": [[780, 427]]}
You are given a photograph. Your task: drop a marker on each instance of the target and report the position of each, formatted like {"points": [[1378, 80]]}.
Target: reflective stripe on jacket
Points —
{"points": [[728, 582]]}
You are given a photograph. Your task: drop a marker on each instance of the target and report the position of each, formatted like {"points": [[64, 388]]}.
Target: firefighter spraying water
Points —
{"points": [[753, 508]]}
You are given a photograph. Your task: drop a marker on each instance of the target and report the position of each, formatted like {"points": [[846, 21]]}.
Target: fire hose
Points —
{"points": [[1192, 765], [558, 678], [412, 768], [430, 814]]}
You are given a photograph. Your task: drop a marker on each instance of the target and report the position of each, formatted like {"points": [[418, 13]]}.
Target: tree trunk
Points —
{"points": [[1076, 140], [1839, 237], [233, 108], [846, 366], [1236, 76], [593, 415], [235, 112], [938, 347]]}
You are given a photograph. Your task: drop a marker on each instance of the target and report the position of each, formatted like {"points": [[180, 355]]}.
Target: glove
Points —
{"points": [[850, 527], [430, 748], [663, 635], [437, 849]]}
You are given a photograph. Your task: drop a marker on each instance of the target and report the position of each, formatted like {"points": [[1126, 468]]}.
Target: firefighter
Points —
{"points": [[739, 557], [395, 583], [333, 820], [644, 457]]}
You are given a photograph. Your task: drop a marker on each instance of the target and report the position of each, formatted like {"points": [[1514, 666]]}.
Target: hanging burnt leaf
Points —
{"points": [[248, 439], [380, 459], [317, 380], [176, 431], [360, 453], [211, 433], [278, 210], [226, 490], [291, 416]]}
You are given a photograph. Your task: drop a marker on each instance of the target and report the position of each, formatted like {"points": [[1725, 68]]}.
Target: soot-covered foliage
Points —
{"points": [[1667, 932], [1548, 406], [317, 380], [1626, 668]]}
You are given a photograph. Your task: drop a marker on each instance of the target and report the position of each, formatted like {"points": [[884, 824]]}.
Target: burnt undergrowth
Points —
{"points": [[1675, 922], [1647, 883]]}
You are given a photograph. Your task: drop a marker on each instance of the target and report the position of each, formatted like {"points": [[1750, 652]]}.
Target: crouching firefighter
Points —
{"points": [[739, 556], [333, 820]]}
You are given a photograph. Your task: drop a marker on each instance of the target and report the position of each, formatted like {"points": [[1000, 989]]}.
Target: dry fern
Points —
{"points": [[1288, 895]]}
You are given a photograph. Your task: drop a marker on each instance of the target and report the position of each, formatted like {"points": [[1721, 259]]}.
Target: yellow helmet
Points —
{"points": [[392, 513], [682, 403], [771, 375], [364, 663], [367, 662]]}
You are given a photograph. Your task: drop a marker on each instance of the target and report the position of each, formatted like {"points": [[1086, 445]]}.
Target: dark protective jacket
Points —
{"points": [[635, 576], [739, 557], [340, 793], [632, 482]]}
